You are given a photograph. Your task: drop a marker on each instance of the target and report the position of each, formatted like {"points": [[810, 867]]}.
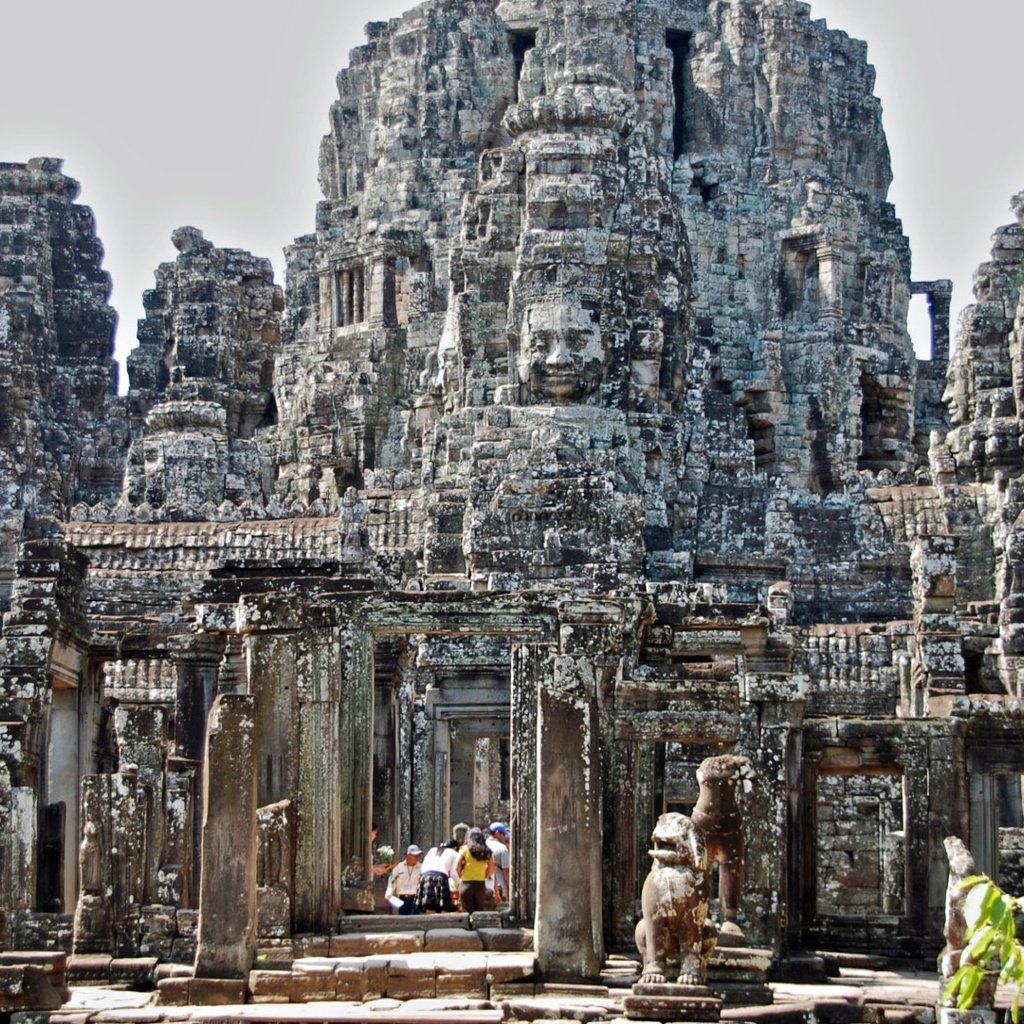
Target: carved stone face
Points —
{"points": [[956, 395], [561, 358], [447, 360]]}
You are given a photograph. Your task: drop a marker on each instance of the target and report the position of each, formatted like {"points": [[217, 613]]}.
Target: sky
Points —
{"points": [[210, 113]]}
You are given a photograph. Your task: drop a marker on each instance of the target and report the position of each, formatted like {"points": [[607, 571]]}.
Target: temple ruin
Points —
{"points": [[584, 441]]}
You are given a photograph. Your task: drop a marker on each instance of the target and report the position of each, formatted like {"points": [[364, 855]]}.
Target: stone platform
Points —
{"points": [[671, 1002]]}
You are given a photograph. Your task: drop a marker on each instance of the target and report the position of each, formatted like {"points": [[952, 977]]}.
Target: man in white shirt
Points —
{"points": [[501, 881], [404, 882]]}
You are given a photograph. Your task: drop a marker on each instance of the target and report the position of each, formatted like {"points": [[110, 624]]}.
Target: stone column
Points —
{"points": [[569, 930], [111, 865], [141, 739], [227, 894], [528, 665], [939, 299], [174, 882], [318, 757], [830, 284], [196, 659]]}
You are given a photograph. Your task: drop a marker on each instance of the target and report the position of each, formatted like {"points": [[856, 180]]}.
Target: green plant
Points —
{"points": [[992, 951]]}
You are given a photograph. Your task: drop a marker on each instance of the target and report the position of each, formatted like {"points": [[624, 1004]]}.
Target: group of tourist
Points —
{"points": [[473, 867]]}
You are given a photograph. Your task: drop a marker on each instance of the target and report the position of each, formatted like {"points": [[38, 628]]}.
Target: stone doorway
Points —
{"points": [[442, 737], [997, 822], [479, 779]]}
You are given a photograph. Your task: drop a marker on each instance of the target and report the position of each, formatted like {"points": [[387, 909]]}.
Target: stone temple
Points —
{"points": [[584, 441]]}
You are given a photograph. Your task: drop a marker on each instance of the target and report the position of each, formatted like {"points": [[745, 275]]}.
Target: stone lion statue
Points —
{"points": [[726, 782], [675, 929]]}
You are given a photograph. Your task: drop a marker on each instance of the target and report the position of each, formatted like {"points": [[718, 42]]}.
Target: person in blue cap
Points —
{"points": [[502, 878]]}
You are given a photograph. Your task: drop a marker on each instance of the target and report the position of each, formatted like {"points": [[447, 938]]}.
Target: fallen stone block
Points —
{"points": [[27, 987]]}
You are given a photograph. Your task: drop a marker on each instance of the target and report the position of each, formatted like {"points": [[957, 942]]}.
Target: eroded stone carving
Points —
{"points": [[726, 781], [674, 936]]}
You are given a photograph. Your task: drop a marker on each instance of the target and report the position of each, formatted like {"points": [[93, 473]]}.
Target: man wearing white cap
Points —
{"points": [[502, 878], [404, 882]]}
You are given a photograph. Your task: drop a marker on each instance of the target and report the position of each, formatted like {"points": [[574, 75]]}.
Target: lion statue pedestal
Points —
{"points": [[675, 936]]}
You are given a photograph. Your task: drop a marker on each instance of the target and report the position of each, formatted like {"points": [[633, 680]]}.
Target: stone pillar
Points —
{"points": [[318, 808], [227, 895], [830, 284], [111, 865], [141, 740], [939, 299], [529, 662], [774, 821], [174, 881], [569, 930], [328, 303], [355, 745], [197, 660], [939, 665]]}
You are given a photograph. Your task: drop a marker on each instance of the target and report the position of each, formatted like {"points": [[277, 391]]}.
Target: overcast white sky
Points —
{"points": [[209, 112]]}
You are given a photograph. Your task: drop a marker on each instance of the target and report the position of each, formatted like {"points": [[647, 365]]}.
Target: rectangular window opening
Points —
{"points": [[679, 44], [520, 42]]}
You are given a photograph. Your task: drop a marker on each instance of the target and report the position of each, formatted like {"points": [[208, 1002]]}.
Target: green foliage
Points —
{"points": [[992, 948]]}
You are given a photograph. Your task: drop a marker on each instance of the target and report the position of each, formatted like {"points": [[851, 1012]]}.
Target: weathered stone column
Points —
{"points": [[568, 932], [227, 892], [141, 739], [111, 865]]}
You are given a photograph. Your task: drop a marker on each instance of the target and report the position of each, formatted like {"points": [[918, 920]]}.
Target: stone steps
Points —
{"points": [[474, 975]]}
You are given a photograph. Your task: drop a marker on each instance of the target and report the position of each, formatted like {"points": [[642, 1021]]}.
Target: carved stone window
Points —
{"points": [[350, 296], [798, 278]]}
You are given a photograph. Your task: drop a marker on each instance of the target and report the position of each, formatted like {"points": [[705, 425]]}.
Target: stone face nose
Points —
{"points": [[559, 357]]}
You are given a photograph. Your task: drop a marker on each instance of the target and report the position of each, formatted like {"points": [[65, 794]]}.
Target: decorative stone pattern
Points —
{"points": [[584, 443]]}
